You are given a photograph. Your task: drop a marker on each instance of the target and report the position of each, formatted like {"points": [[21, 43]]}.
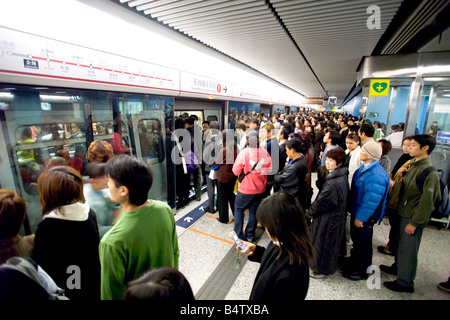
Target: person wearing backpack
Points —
{"points": [[20, 277], [415, 207]]}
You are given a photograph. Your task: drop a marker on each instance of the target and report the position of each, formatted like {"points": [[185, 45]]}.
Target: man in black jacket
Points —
{"points": [[292, 179]]}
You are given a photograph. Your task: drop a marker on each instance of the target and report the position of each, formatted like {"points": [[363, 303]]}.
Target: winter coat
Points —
{"points": [[416, 204], [276, 279], [211, 149], [370, 186], [328, 225], [293, 180], [255, 181], [225, 161]]}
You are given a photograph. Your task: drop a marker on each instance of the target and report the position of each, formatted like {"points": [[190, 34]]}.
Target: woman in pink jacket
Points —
{"points": [[255, 163]]}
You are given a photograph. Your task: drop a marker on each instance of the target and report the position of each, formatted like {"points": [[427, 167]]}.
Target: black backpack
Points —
{"points": [[442, 207], [19, 281]]}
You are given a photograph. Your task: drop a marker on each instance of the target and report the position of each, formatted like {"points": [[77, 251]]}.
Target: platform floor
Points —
{"points": [[208, 260]]}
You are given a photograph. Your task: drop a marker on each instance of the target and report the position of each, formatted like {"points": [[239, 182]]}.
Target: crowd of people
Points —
{"points": [[114, 243]]}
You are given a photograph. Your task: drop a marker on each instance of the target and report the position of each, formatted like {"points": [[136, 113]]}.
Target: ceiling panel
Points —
{"points": [[311, 46]]}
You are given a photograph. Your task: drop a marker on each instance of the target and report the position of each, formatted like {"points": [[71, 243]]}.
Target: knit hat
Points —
{"points": [[373, 150]]}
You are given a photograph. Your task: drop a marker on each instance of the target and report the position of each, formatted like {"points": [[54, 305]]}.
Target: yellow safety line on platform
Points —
{"points": [[210, 235]]}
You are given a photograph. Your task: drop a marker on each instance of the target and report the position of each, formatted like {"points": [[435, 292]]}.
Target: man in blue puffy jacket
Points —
{"points": [[370, 186]]}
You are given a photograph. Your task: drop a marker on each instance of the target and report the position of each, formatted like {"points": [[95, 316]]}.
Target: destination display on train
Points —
{"points": [[25, 54], [193, 83]]}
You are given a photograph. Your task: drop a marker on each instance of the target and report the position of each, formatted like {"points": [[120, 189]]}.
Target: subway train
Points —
{"points": [[53, 104]]}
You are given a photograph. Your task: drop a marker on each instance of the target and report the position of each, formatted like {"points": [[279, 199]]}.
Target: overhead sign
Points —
{"points": [[379, 87], [313, 101], [193, 83], [25, 54]]}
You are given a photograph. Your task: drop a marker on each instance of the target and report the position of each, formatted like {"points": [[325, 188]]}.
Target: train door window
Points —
{"points": [[212, 118], [187, 113], [43, 146], [151, 140]]}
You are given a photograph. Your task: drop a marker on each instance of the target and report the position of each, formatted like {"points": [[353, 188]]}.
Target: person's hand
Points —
{"points": [[251, 247], [410, 229], [391, 183], [358, 223], [402, 171]]}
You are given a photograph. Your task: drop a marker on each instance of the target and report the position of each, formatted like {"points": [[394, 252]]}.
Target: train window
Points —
{"points": [[212, 118], [150, 137], [41, 147]]}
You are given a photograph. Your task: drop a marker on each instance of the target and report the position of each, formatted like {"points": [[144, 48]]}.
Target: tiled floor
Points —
{"points": [[205, 242]]}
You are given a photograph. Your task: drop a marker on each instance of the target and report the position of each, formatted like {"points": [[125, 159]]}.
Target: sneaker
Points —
{"points": [[356, 276], [394, 286], [445, 286]]}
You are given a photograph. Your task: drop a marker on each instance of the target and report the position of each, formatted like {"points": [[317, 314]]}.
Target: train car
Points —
{"points": [[56, 97]]}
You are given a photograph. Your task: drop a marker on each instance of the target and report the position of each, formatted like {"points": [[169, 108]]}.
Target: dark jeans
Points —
{"points": [[361, 253], [244, 201], [225, 195]]}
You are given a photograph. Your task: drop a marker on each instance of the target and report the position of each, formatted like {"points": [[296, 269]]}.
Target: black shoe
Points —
{"points": [[444, 286], [221, 221], [207, 209], [385, 250], [388, 269], [394, 286], [355, 276]]}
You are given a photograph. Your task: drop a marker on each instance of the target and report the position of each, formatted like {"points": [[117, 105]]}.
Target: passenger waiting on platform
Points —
{"points": [[255, 163], [385, 162], [183, 179], [226, 180], [395, 176], [329, 216], [160, 284], [292, 179], [366, 132], [270, 143], [253, 124], [12, 214], [284, 271], [369, 189], [145, 236], [416, 204], [331, 140], [196, 148], [211, 148], [99, 200], [396, 136], [21, 279], [66, 241], [96, 189], [353, 161]]}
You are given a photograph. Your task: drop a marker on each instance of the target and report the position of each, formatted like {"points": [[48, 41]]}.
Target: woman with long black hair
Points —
{"points": [[284, 271]]}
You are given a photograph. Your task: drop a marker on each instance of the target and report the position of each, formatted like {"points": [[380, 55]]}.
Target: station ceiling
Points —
{"points": [[311, 46]]}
